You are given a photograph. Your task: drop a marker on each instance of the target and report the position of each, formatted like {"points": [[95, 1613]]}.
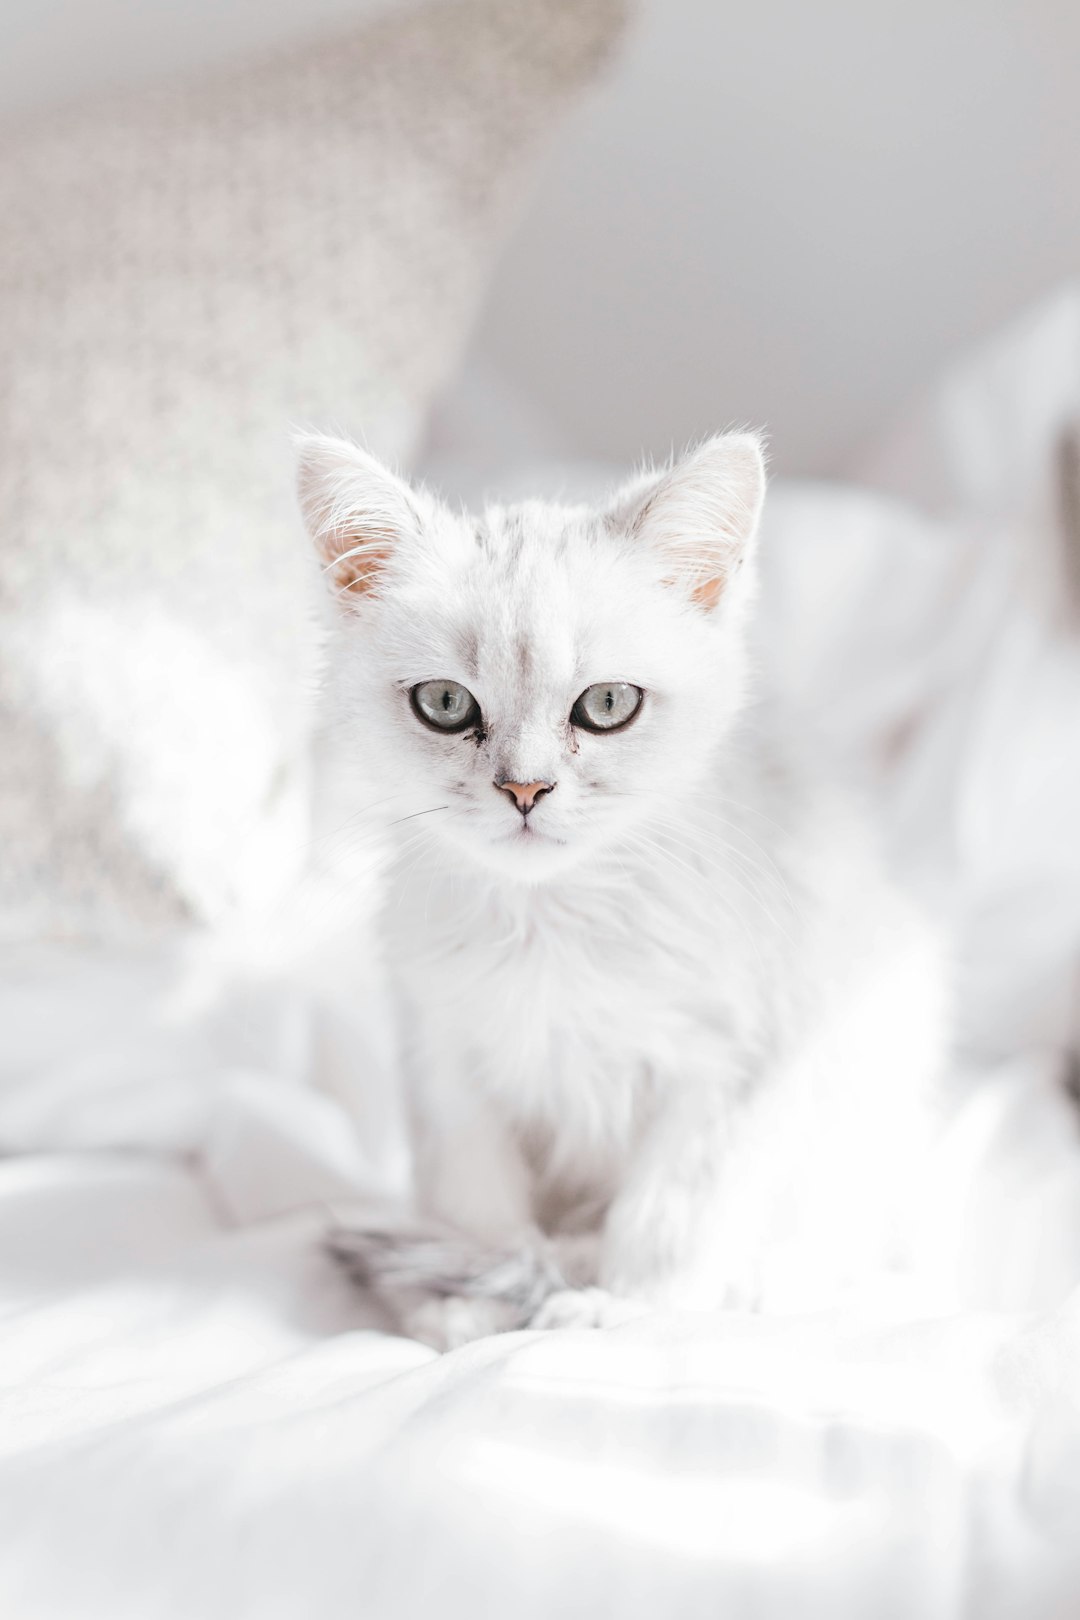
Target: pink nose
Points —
{"points": [[525, 794]]}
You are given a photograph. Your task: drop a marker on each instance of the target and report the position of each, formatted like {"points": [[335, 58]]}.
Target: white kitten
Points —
{"points": [[671, 1036]]}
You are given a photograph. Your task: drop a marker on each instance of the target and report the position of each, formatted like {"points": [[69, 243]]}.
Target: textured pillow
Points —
{"points": [[183, 273]]}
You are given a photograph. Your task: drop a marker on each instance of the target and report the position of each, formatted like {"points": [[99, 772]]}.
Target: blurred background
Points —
{"points": [[776, 213], [791, 215]]}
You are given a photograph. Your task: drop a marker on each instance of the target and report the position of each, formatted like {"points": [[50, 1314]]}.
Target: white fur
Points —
{"points": [[680, 1010]]}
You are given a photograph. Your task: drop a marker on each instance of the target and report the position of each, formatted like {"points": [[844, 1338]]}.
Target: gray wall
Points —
{"points": [[789, 213], [778, 211]]}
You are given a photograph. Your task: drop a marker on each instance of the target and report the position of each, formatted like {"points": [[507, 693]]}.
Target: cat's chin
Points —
{"points": [[527, 857]]}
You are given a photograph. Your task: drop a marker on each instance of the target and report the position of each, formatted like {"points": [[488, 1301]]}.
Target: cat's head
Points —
{"points": [[536, 680]]}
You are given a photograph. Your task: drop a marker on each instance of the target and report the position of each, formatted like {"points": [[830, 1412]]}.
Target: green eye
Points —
{"points": [[608, 706], [445, 705]]}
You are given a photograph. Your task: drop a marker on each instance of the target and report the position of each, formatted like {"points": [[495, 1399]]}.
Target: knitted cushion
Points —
{"points": [[184, 272]]}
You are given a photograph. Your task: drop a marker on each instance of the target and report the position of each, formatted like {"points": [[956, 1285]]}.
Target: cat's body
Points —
{"points": [[659, 1002]]}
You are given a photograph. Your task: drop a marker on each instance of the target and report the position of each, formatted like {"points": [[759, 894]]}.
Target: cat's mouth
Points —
{"points": [[525, 854], [529, 835]]}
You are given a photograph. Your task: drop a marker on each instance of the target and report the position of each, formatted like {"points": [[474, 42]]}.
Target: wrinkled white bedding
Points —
{"points": [[201, 1423], [198, 1418]]}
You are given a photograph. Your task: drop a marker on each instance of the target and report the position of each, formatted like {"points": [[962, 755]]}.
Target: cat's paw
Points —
{"points": [[585, 1308], [449, 1321]]}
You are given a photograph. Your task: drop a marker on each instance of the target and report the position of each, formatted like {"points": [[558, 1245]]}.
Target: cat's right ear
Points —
{"points": [[354, 509]]}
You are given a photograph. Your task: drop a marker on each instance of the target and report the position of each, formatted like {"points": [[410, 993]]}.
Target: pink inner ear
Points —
{"points": [[706, 590], [709, 591], [355, 566]]}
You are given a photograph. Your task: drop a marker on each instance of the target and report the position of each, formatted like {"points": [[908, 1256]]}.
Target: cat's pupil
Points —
{"points": [[606, 707], [446, 705]]}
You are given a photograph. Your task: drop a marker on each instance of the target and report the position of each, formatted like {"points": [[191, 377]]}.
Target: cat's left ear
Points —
{"points": [[702, 514], [354, 508]]}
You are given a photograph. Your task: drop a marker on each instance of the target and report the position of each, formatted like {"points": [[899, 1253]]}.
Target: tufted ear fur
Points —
{"points": [[702, 513], [354, 509]]}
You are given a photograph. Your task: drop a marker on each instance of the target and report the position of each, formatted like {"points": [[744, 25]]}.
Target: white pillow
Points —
{"points": [[184, 272]]}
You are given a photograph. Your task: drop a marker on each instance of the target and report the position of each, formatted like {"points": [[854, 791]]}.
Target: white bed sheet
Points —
{"points": [[202, 1422], [199, 1418]]}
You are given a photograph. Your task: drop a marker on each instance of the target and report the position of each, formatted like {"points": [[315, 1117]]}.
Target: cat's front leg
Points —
{"points": [[674, 1235], [469, 1168], [475, 1264]]}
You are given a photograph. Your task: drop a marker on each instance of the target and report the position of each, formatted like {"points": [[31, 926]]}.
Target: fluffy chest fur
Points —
{"points": [[575, 1006]]}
